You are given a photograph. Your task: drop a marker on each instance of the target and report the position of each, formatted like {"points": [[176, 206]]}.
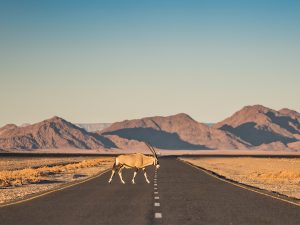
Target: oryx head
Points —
{"points": [[155, 161]]}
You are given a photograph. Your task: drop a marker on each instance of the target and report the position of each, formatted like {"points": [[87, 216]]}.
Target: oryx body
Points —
{"points": [[134, 161]]}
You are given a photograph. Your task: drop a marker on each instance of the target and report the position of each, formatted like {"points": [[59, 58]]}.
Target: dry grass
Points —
{"points": [[281, 175], [20, 179], [17, 163], [30, 175]]}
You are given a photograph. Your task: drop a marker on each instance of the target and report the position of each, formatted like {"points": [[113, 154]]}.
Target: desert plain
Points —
{"points": [[280, 175], [21, 177]]}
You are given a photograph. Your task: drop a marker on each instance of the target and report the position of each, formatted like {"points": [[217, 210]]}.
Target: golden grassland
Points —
{"points": [[281, 175], [35, 175], [16, 163], [25, 176]]}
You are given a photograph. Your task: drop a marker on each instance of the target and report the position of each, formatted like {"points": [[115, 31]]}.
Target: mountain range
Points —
{"points": [[252, 127], [174, 132], [52, 133]]}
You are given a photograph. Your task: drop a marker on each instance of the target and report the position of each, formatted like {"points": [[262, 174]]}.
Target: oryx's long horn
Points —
{"points": [[153, 150], [148, 145]]}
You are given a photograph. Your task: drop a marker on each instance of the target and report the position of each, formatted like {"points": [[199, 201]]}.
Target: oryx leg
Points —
{"points": [[120, 174], [113, 171], [145, 174], [112, 175], [115, 168], [134, 174]]}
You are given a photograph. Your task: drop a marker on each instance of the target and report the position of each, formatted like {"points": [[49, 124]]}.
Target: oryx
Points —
{"points": [[134, 161]]}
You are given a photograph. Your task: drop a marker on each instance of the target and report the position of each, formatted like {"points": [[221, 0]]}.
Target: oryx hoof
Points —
{"points": [[123, 182], [132, 182], [148, 181]]}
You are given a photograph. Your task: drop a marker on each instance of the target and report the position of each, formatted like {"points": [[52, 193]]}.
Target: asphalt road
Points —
{"points": [[182, 195]]}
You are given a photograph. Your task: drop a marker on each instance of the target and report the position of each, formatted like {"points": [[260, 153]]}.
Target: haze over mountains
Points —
{"points": [[92, 127], [253, 127]]}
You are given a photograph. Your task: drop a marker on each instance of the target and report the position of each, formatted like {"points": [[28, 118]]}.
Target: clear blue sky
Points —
{"points": [[104, 61]]}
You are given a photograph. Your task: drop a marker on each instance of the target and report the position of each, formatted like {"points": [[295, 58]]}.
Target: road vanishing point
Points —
{"points": [[178, 194]]}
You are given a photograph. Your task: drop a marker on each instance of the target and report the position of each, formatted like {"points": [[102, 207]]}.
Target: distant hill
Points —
{"points": [[259, 125], [290, 113], [173, 132], [253, 127], [92, 127], [52, 133]]}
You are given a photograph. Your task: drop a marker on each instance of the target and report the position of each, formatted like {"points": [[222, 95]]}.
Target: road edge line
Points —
{"points": [[54, 190], [210, 173]]}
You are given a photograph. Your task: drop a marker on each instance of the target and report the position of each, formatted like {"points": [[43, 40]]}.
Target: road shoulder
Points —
{"points": [[264, 192]]}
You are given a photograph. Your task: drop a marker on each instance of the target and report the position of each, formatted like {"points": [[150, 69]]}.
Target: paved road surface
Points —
{"points": [[184, 195]]}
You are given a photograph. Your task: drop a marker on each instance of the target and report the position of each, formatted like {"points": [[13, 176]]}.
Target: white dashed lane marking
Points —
{"points": [[158, 215]]}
